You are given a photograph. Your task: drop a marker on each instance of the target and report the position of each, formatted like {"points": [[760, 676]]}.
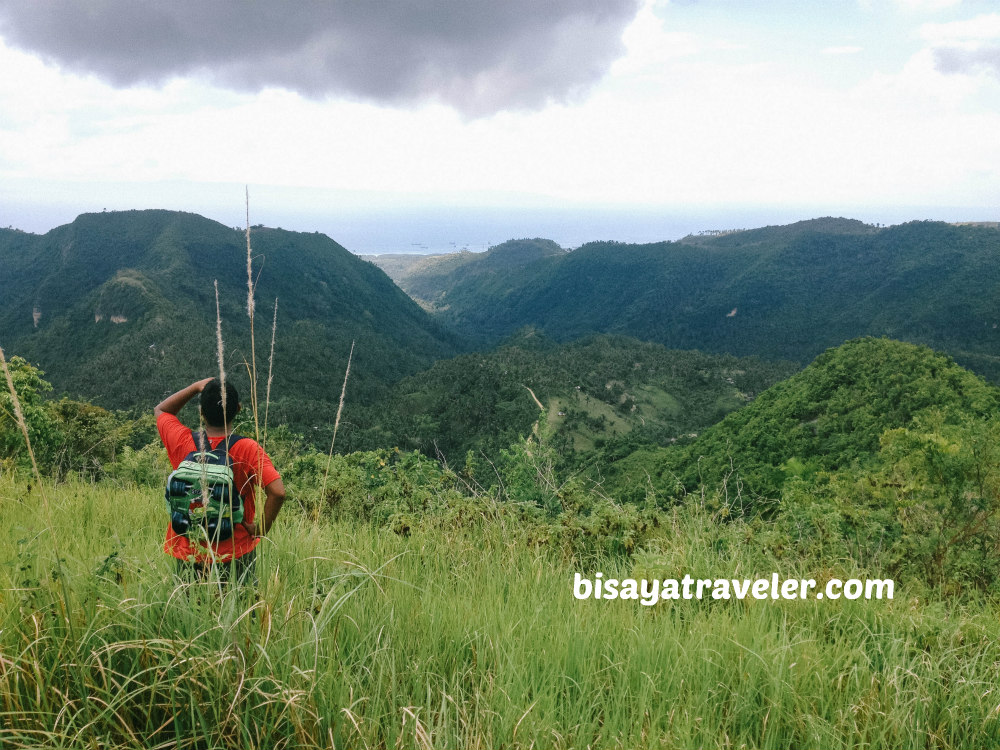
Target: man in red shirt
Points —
{"points": [[251, 468]]}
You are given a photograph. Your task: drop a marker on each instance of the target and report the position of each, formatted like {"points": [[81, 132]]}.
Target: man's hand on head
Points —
{"points": [[175, 402], [200, 384]]}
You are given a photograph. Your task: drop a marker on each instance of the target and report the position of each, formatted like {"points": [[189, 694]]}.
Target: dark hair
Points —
{"points": [[211, 403]]}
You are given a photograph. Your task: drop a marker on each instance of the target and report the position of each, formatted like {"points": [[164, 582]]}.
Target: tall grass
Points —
{"points": [[458, 635], [220, 353], [270, 372], [252, 364], [46, 508], [336, 422], [251, 307]]}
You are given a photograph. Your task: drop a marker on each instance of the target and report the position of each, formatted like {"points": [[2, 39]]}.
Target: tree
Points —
{"points": [[42, 427], [944, 480]]}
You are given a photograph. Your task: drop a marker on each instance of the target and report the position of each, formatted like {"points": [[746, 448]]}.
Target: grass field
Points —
{"points": [[464, 632], [584, 432]]}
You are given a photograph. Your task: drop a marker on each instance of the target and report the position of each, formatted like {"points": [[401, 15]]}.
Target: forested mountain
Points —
{"points": [[832, 416], [120, 308], [785, 292]]}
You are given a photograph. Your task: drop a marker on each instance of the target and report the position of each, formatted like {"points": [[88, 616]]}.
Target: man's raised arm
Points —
{"points": [[173, 403]]}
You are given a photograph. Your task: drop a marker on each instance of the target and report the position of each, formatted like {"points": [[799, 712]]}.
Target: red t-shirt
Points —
{"points": [[251, 468]]}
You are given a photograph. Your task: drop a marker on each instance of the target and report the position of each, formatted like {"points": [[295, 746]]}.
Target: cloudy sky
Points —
{"points": [[338, 114]]}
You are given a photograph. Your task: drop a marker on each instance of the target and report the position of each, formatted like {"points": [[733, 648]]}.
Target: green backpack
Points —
{"points": [[201, 491]]}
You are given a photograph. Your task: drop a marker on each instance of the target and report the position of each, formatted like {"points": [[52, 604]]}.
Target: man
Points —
{"points": [[236, 556]]}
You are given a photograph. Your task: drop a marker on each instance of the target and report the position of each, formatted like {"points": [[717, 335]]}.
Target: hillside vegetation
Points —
{"points": [[834, 414], [120, 308], [830, 416], [786, 292], [595, 391]]}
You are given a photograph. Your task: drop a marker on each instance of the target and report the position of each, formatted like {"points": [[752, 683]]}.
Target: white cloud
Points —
{"points": [[966, 47], [926, 5], [649, 44], [978, 29]]}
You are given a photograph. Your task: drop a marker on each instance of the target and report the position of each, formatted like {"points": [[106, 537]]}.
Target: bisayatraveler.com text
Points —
{"points": [[650, 592]]}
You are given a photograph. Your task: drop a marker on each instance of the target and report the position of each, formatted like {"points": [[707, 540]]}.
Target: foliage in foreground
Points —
{"points": [[460, 631], [68, 437]]}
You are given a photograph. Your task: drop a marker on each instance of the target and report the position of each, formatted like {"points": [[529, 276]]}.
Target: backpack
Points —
{"points": [[200, 491]]}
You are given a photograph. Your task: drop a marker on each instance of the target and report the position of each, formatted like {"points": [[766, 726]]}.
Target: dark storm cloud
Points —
{"points": [[480, 56], [952, 60]]}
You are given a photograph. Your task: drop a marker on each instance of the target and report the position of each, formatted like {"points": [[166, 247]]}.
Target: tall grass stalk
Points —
{"points": [[220, 360], [270, 372], [250, 302], [336, 423], [251, 306], [219, 351], [343, 393], [252, 365]]}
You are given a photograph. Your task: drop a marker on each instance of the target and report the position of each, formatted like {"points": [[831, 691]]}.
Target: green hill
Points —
{"points": [[435, 280], [829, 417], [785, 292], [120, 308]]}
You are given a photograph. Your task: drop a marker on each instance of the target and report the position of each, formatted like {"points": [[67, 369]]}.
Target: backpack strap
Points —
{"points": [[202, 443], [200, 440], [231, 440]]}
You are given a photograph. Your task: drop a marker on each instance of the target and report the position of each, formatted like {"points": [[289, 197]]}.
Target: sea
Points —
{"points": [[443, 230]]}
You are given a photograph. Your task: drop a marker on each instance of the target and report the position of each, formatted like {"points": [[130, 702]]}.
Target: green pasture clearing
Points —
{"points": [[654, 401]]}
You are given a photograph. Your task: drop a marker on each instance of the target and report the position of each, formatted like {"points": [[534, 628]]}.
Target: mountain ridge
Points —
{"points": [[785, 292], [120, 307]]}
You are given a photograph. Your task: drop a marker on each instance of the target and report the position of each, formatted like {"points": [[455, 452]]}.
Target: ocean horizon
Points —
{"points": [[444, 230]]}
